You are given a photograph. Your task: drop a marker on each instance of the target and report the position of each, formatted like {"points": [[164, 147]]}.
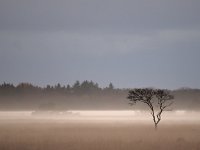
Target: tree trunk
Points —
{"points": [[156, 126]]}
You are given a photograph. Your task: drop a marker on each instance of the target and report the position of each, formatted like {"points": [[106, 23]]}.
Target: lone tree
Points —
{"points": [[157, 100]]}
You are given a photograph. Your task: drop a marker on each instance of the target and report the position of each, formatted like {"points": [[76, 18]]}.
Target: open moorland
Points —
{"points": [[81, 134]]}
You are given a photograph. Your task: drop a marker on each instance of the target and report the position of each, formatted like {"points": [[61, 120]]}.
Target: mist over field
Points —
{"points": [[87, 117], [99, 75], [99, 130], [126, 116]]}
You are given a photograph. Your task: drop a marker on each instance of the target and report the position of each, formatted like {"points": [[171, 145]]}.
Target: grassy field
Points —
{"points": [[80, 135]]}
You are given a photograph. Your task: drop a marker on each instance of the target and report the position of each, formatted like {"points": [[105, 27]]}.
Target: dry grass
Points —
{"points": [[48, 135]]}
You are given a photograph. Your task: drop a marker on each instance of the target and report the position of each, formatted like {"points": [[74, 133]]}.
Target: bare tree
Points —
{"points": [[157, 100]]}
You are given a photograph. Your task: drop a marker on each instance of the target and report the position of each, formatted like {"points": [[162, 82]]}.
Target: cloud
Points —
{"points": [[63, 42], [105, 16], [47, 40]]}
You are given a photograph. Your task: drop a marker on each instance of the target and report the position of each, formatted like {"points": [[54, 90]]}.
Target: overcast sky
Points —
{"points": [[131, 43]]}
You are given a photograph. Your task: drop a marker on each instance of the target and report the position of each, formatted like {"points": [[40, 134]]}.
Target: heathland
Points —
{"points": [[98, 135]]}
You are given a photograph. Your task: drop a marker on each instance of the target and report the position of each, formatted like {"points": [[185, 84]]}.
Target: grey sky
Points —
{"points": [[132, 43]]}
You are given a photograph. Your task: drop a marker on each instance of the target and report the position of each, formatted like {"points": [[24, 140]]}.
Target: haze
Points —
{"points": [[93, 116], [67, 66], [140, 43]]}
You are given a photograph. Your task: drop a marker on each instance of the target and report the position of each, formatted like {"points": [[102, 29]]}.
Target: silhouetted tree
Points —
{"points": [[48, 87], [7, 89], [58, 86], [27, 88], [157, 100], [76, 87], [111, 87], [85, 87], [68, 89]]}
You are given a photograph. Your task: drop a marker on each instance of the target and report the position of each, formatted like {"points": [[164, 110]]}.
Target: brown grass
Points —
{"points": [[49, 135]]}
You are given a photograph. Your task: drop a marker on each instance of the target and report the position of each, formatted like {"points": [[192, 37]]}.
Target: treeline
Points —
{"points": [[82, 95], [78, 88]]}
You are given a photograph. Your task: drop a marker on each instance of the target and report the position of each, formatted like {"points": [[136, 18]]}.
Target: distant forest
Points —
{"points": [[81, 96], [86, 87]]}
